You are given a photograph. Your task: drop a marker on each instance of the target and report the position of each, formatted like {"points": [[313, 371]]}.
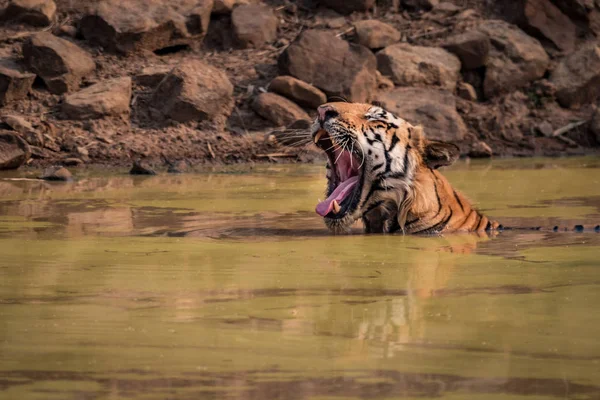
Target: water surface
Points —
{"points": [[225, 285]]}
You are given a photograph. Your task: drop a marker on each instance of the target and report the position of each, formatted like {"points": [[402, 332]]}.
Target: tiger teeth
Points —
{"points": [[336, 207], [318, 136]]}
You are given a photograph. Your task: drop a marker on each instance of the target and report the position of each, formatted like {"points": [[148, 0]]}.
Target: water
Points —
{"points": [[225, 285]]}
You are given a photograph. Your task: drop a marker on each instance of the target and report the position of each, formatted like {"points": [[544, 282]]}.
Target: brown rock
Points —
{"points": [[277, 109], [32, 12], [471, 48], [107, 98], [73, 162], [132, 25], [595, 125], [194, 91], [545, 128], [254, 25], [542, 19], [348, 6], [410, 65], [14, 151], [333, 65], [577, 77], [376, 34], [298, 91], [14, 82], [515, 58], [152, 76], [60, 63], [466, 91], [434, 109], [480, 149], [16, 123], [226, 6], [420, 4], [383, 82], [141, 167], [57, 173]]}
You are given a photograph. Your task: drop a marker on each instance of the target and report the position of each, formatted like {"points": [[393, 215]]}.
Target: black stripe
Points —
{"points": [[396, 175], [376, 167], [488, 226], [458, 200], [395, 140], [437, 227], [391, 125], [377, 137], [478, 220], [375, 188], [373, 206]]}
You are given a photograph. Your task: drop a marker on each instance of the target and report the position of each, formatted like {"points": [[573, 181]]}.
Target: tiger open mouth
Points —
{"points": [[344, 179]]}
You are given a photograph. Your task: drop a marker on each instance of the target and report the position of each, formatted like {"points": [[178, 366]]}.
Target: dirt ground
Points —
{"points": [[508, 124]]}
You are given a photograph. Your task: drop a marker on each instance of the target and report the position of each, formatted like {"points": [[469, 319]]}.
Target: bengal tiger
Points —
{"points": [[383, 170]]}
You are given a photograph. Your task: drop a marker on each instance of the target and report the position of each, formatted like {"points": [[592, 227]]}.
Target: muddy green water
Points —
{"points": [[225, 285]]}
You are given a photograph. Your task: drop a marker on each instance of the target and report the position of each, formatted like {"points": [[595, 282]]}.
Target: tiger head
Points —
{"points": [[373, 158]]}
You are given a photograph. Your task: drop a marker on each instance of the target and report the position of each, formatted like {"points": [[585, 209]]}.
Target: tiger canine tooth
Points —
{"points": [[336, 207], [318, 135]]}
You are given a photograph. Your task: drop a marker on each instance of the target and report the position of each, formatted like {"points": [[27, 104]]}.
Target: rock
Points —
{"points": [[141, 167], [133, 25], [545, 129], [471, 48], [72, 162], [14, 151], [254, 25], [480, 149], [333, 65], [542, 19], [595, 125], [410, 65], [31, 12], [177, 167], [194, 91], [515, 58], [152, 76], [60, 63], [376, 34], [441, 12], [298, 91], [16, 123], [434, 109], [466, 91], [57, 173], [277, 109], [348, 6], [420, 4], [577, 77], [107, 98], [67, 30], [226, 6], [383, 82], [327, 18], [14, 82]]}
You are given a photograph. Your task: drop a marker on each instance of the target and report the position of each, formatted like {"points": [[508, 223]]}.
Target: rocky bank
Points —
{"points": [[105, 81]]}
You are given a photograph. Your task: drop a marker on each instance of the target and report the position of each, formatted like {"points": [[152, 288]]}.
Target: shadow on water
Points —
{"points": [[217, 285]]}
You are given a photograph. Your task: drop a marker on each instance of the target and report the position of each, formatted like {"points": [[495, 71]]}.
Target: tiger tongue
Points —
{"points": [[340, 193]]}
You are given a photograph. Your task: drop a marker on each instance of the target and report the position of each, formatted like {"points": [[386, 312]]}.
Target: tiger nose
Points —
{"points": [[326, 112]]}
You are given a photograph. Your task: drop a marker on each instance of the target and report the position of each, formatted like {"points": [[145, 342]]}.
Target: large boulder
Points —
{"points": [[254, 25], [434, 109], [515, 58], [348, 6], [60, 63], [410, 65], [132, 25], [32, 12], [375, 34], [543, 20], [277, 109], [333, 65], [194, 91], [472, 48], [107, 98], [14, 151], [577, 77], [14, 82], [301, 92]]}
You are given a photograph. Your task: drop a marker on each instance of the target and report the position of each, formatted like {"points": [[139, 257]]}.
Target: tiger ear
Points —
{"points": [[439, 154]]}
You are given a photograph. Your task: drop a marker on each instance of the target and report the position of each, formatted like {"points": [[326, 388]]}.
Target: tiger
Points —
{"points": [[382, 170]]}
